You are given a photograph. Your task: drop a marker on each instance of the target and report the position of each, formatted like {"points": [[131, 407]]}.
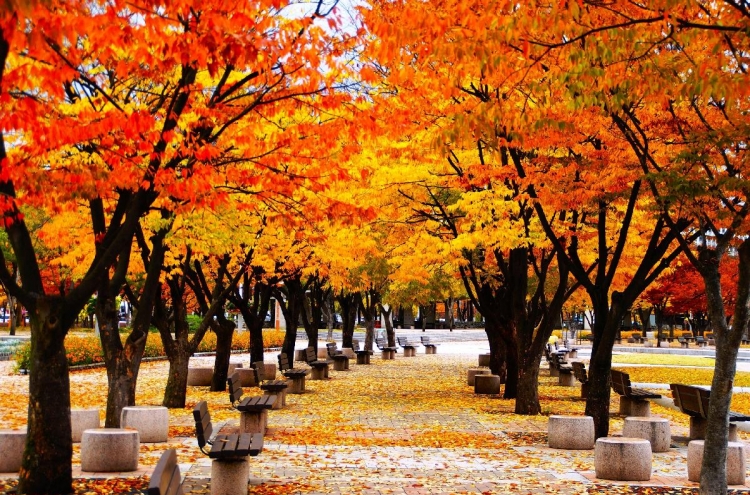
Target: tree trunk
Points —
{"points": [[349, 304], [527, 397], [47, 457], [388, 324], [329, 315], [713, 472], [175, 393], [224, 330]]}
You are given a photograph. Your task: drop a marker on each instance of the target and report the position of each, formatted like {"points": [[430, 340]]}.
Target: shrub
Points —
{"points": [[83, 350]]}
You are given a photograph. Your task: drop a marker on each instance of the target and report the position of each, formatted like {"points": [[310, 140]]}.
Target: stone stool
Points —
{"points": [[322, 353], [735, 462], [487, 384], [388, 354], [233, 366], [152, 422], [473, 372], [634, 407], [571, 432], [573, 354], [698, 429], [484, 360], [230, 476], [655, 430], [269, 371], [83, 419], [12, 443], [247, 377], [109, 450], [622, 459], [200, 376]]}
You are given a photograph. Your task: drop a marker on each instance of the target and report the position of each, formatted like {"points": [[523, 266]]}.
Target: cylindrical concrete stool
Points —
{"points": [[269, 371], [473, 372], [622, 459], [233, 367], [655, 430], [83, 419], [109, 450], [735, 462], [152, 422], [12, 443], [487, 384], [247, 377], [484, 360], [230, 477], [200, 376], [571, 432]]}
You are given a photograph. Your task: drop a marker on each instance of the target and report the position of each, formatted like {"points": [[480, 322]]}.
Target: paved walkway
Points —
{"points": [[332, 440]]}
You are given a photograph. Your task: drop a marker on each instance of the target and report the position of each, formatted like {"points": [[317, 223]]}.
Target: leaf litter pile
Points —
{"points": [[407, 426]]}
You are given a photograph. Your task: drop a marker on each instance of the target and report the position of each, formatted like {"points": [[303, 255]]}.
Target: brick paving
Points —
{"points": [[326, 466]]}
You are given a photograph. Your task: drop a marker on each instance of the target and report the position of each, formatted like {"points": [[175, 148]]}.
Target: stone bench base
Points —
{"points": [[388, 354], [280, 397], [487, 384], [622, 459], [471, 374], [83, 419], [698, 429], [566, 379], [634, 407], [152, 422], [12, 443], [230, 477], [363, 357], [200, 376], [319, 373], [410, 352], [430, 349], [300, 355], [735, 462], [655, 430], [573, 354], [296, 385], [554, 372], [254, 421], [340, 364], [109, 450], [571, 432]]}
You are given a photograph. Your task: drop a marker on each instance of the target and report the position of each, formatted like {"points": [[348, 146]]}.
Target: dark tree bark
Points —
{"points": [[314, 303], [369, 302], [252, 299], [349, 303], [291, 299]]}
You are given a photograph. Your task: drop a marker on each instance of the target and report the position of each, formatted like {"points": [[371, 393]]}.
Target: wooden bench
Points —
{"points": [[231, 446], [340, 361], [564, 369], [254, 410], [429, 347], [387, 352], [270, 386], [166, 478], [694, 401], [230, 471], [579, 372], [633, 401], [409, 348], [363, 355], [319, 366], [295, 375]]}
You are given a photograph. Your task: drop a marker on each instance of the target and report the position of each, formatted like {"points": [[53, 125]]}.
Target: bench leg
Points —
{"points": [[566, 380], [554, 372], [254, 421], [340, 365], [230, 477], [634, 407], [698, 430], [296, 385], [279, 399]]}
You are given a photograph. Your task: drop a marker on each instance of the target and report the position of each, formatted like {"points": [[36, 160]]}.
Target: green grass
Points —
{"points": [[663, 360]]}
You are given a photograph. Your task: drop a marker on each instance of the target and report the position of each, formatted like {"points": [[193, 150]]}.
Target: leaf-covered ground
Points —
{"points": [[409, 426]]}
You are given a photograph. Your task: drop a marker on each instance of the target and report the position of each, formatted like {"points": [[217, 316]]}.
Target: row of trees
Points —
{"points": [[193, 155]]}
